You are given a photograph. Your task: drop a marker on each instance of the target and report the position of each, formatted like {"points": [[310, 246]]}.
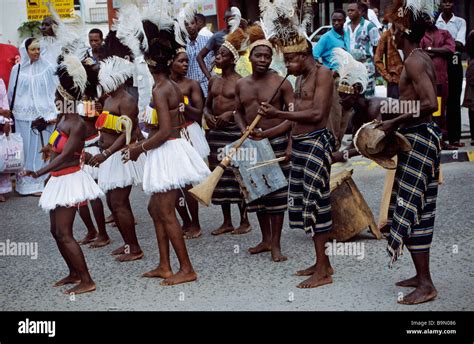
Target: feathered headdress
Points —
{"points": [[113, 73], [234, 21], [70, 37], [185, 15], [73, 76], [235, 42], [256, 37], [283, 27], [351, 72], [405, 13]]}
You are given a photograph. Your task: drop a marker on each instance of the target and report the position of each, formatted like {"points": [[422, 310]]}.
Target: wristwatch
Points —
{"points": [[429, 48]]}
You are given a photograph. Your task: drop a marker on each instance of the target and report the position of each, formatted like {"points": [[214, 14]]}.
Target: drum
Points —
{"points": [[349, 210], [256, 182]]}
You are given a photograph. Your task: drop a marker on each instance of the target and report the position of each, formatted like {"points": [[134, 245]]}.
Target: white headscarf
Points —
{"points": [[35, 93]]}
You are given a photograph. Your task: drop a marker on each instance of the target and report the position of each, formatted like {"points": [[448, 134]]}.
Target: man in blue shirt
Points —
{"points": [[334, 38]]}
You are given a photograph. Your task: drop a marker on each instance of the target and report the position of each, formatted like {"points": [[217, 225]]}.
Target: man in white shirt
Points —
{"points": [[370, 15], [201, 26], [457, 28]]}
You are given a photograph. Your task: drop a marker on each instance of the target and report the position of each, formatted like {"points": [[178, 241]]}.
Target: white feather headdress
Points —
{"points": [[351, 72], [73, 67], [282, 25], [113, 73], [403, 12], [70, 37], [235, 20], [185, 15], [130, 30]]}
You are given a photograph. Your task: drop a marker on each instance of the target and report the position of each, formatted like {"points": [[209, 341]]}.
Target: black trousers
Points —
{"points": [[453, 109]]}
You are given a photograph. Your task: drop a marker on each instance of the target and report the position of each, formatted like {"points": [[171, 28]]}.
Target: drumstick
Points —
{"points": [[265, 163]]}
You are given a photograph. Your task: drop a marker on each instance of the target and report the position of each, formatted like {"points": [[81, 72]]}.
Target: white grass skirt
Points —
{"points": [[173, 165], [93, 150], [198, 140], [69, 190], [113, 173]]}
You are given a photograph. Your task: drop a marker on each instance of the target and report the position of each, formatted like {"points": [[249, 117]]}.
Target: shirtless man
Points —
{"points": [[308, 198], [193, 114], [250, 92], [412, 208], [218, 112], [116, 178]]}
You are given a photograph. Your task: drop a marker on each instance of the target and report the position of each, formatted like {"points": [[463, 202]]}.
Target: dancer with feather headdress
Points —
{"points": [[308, 198], [118, 125], [413, 204], [69, 185], [171, 162]]}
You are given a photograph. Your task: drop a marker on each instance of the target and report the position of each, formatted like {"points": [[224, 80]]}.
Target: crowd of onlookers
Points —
{"points": [[27, 80]]}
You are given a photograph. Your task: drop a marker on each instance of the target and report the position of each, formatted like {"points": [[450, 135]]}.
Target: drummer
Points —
{"points": [[312, 144], [251, 90]]}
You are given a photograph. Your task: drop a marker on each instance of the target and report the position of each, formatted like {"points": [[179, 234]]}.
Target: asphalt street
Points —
{"points": [[232, 279]]}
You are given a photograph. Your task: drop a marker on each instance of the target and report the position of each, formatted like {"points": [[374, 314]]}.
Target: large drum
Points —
{"points": [[255, 181], [349, 210]]}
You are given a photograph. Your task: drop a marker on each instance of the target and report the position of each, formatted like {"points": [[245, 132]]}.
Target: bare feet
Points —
{"points": [[117, 251], [109, 219], [223, 229], [81, 288], [90, 237], [71, 279], [128, 257], [100, 242], [37, 194], [260, 248], [159, 272], [277, 256], [2, 199], [311, 270], [423, 293], [242, 229], [411, 282], [316, 280], [180, 277], [192, 232]]}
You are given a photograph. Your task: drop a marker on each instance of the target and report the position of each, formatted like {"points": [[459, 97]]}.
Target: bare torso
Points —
{"points": [[304, 99], [408, 90], [253, 92], [119, 104], [223, 94], [65, 125]]}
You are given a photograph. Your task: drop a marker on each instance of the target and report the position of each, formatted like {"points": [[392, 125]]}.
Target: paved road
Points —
{"points": [[238, 281]]}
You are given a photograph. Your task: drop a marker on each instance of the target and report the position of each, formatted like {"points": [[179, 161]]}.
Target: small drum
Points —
{"points": [[349, 210], [256, 182]]}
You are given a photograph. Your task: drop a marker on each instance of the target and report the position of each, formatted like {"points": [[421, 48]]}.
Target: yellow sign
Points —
{"points": [[37, 9]]}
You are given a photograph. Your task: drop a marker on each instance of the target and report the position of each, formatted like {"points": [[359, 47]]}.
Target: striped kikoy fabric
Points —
{"points": [[228, 188], [412, 207], [276, 202], [309, 203]]}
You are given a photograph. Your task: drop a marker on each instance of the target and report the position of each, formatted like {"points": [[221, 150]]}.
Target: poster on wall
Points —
{"points": [[206, 7], [37, 9]]}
